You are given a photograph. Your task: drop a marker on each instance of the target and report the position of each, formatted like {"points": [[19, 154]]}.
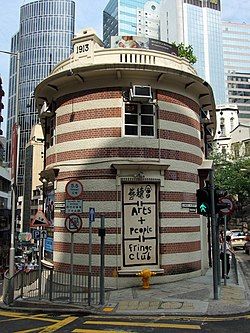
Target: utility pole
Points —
{"points": [[214, 237]]}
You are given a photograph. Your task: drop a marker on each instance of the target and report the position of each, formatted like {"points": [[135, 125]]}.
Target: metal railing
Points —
{"points": [[21, 282], [55, 287]]}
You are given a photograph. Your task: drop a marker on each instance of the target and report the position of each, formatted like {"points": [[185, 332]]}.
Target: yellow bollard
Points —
{"points": [[146, 275]]}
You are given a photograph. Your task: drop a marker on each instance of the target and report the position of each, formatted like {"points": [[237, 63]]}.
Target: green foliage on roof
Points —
{"points": [[186, 52]]}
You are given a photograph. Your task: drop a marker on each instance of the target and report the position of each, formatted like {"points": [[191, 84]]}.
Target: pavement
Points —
{"points": [[192, 297]]}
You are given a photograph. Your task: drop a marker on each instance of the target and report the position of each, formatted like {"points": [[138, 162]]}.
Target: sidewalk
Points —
{"points": [[187, 297]]}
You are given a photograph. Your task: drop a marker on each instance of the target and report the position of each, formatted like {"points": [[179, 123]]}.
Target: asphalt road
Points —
{"points": [[18, 322], [14, 322]]}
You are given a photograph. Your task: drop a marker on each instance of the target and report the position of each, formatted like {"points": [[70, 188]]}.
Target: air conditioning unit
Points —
{"points": [[140, 93]]}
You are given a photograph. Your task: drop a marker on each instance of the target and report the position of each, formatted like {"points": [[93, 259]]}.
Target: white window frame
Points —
{"points": [[139, 120]]}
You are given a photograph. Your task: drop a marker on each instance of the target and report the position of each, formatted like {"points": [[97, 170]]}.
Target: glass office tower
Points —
{"points": [[193, 22], [198, 23], [130, 18], [236, 50], [43, 40]]}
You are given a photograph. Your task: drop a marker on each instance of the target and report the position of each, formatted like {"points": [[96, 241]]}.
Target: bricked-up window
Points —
{"points": [[139, 120]]}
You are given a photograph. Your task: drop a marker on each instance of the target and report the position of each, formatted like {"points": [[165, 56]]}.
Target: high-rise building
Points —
{"points": [[193, 22], [127, 17], [43, 40], [198, 23], [236, 50]]}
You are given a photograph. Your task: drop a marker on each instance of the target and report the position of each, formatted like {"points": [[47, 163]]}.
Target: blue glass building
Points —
{"points": [[203, 30], [43, 40], [131, 17], [193, 22]]}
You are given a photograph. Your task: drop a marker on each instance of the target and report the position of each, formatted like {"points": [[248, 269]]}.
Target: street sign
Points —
{"points": [[74, 188], [40, 220], [39, 234], [48, 245], [188, 205], [73, 223], [91, 214], [73, 206], [229, 209], [24, 236], [43, 234], [36, 234]]}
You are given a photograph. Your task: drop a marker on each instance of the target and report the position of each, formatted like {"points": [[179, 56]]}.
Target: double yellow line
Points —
{"points": [[132, 324]]}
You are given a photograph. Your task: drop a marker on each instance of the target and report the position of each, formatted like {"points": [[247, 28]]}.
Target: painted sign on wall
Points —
{"points": [[140, 245]]}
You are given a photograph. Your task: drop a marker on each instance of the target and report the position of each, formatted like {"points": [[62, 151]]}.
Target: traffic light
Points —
{"points": [[218, 194], [203, 201]]}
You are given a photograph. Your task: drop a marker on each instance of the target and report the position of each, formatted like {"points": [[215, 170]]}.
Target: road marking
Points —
{"points": [[19, 316], [138, 324], [58, 325], [108, 309]]}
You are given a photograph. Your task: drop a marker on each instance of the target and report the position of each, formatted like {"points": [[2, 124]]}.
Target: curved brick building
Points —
{"points": [[124, 132]]}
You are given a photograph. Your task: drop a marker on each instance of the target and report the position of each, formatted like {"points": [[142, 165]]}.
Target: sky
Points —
{"points": [[88, 14]]}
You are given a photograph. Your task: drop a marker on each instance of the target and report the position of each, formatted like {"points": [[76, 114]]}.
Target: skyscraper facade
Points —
{"points": [[198, 23], [131, 17], [43, 40], [236, 50], [193, 22]]}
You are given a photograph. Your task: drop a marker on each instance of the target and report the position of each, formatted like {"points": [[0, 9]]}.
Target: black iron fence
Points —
{"points": [[52, 286]]}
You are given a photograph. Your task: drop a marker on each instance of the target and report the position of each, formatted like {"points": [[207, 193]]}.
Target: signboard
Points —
{"points": [[39, 234], [229, 209], [48, 244], [74, 188], [91, 214], [188, 205], [140, 245], [73, 223], [50, 205], [43, 234], [142, 43], [36, 234], [73, 206], [25, 236], [40, 220]]}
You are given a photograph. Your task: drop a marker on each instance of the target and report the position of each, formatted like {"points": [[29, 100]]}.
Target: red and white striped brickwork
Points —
{"points": [[89, 140]]}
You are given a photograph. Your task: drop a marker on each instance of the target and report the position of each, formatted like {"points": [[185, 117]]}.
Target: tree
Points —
{"points": [[232, 175], [185, 52]]}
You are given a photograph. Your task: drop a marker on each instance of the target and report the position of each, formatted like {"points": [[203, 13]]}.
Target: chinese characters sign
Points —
{"points": [[73, 206], [139, 224]]}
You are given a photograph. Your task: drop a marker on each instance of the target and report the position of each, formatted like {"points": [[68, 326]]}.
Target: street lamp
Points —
{"points": [[14, 167]]}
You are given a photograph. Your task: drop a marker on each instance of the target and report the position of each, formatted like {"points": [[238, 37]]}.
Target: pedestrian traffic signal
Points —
{"points": [[218, 195], [203, 201]]}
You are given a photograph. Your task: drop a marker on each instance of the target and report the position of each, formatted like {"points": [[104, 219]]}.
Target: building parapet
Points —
{"points": [[88, 51]]}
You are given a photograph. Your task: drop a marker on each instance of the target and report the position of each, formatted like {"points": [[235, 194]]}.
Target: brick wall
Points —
{"points": [[90, 140]]}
